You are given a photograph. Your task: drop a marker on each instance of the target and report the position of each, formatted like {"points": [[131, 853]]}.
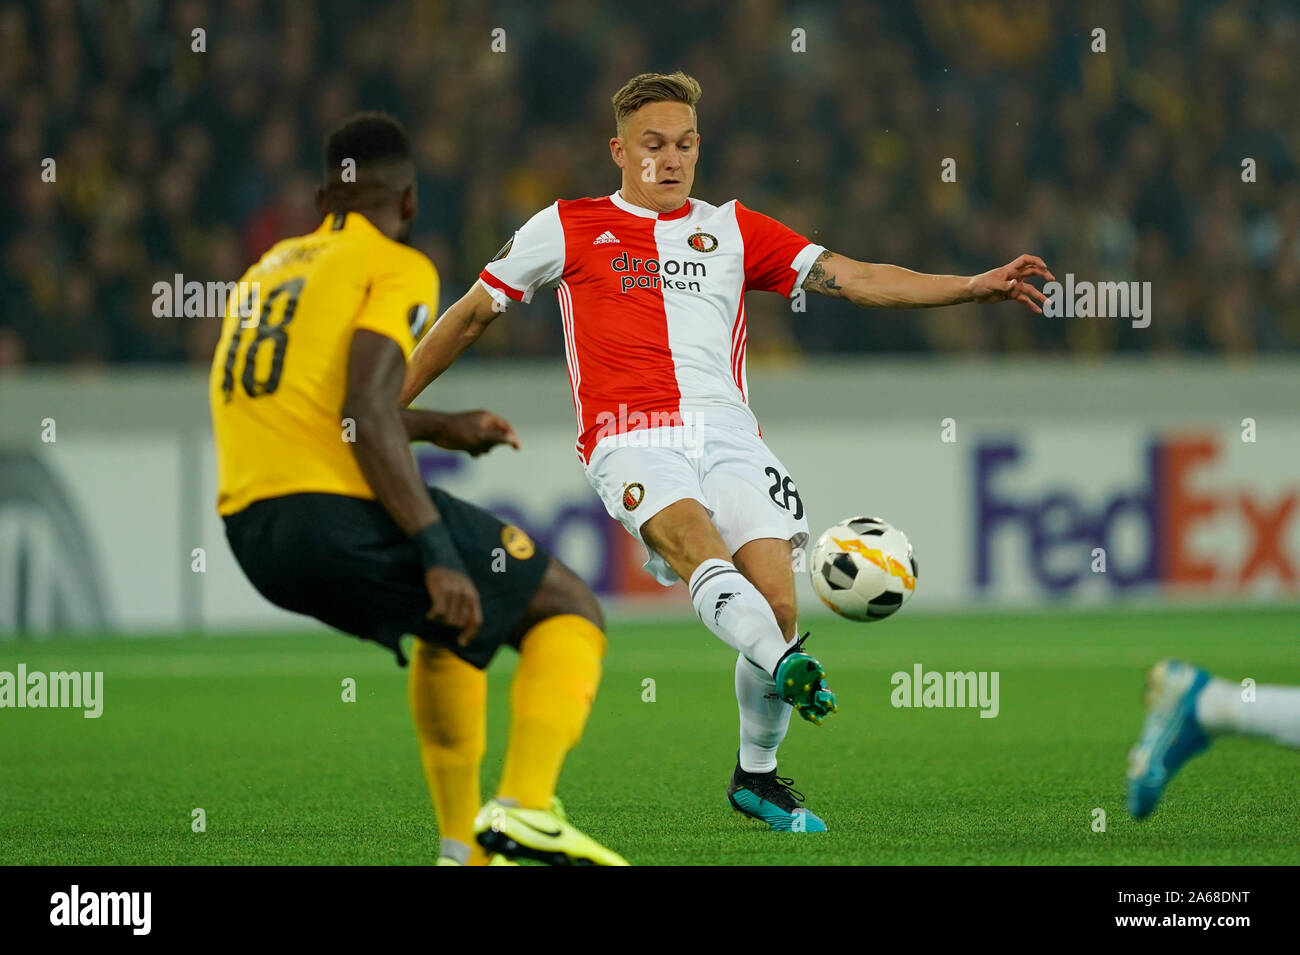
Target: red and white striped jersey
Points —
{"points": [[653, 305]]}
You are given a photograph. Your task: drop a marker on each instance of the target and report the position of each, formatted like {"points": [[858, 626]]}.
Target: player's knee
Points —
{"points": [[564, 592], [584, 604]]}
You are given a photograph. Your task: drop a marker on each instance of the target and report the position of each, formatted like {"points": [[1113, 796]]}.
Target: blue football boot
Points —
{"points": [[771, 799], [1170, 736]]}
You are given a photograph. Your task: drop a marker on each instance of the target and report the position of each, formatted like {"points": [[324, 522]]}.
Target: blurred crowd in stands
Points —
{"points": [[1119, 165]]}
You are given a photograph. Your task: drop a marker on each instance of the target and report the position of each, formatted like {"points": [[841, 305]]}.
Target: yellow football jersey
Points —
{"points": [[277, 386]]}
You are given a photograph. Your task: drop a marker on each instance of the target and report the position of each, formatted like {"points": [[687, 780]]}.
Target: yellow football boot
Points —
{"points": [[538, 834]]}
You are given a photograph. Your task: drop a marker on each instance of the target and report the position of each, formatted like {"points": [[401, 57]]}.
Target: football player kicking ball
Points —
{"points": [[651, 286], [326, 513], [1187, 707]]}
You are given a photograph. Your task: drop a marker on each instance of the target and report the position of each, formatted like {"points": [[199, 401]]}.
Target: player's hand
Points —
{"points": [[476, 432], [454, 601], [1008, 283]]}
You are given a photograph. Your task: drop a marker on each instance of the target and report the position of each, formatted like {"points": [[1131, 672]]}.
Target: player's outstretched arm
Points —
{"points": [[375, 371], [456, 329], [889, 286], [474, 432]]}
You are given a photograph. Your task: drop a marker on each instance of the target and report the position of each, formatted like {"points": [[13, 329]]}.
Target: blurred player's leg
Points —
{"points": [[1170, 735], [1272, 712], [1187, 706], [449, 704]]}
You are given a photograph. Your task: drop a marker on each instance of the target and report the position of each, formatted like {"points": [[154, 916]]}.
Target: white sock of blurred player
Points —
{"points": [[764, 717], [737, 614], [1273, 714]]}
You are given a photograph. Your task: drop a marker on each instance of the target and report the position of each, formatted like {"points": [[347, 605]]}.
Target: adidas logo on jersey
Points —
{"points": [[606, 236], [723, 600]]}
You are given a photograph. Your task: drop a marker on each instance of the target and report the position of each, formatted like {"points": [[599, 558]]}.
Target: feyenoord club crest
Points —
{"points": [[702, 242], [632, 495]]}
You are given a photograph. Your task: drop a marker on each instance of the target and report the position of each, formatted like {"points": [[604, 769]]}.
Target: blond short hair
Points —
{"points": [[654, 88]]}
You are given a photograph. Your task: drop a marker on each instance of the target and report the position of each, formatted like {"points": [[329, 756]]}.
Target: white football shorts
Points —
{"points": [[747, 491]]}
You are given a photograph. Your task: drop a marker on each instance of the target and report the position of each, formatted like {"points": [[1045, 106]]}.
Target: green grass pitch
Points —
{"points": [[254, 731]]}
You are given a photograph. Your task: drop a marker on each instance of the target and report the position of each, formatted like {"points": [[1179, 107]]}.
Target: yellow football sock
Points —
{"points": [[449, 703], [554, 686]]}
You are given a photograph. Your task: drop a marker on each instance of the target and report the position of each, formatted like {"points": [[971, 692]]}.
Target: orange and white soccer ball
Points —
{"points": [[863, 568]]}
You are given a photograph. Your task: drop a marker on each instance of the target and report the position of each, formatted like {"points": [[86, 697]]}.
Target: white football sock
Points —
{"points": [[764, 717], [739, 616], [1274, 714]]}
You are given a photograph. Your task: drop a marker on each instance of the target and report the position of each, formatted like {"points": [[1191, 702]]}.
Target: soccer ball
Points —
{"points": [[863, 568]]}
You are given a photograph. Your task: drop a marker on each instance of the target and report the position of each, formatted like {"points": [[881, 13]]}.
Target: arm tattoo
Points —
{"points": [[819, 281]]}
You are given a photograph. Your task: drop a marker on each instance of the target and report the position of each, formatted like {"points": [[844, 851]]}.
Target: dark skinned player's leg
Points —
{"points": [[560, 592], [451, 696], [561, 643], [448, 698]]}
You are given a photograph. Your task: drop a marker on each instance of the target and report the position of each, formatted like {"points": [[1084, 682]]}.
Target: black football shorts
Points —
{"points": [[345, 562]]}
